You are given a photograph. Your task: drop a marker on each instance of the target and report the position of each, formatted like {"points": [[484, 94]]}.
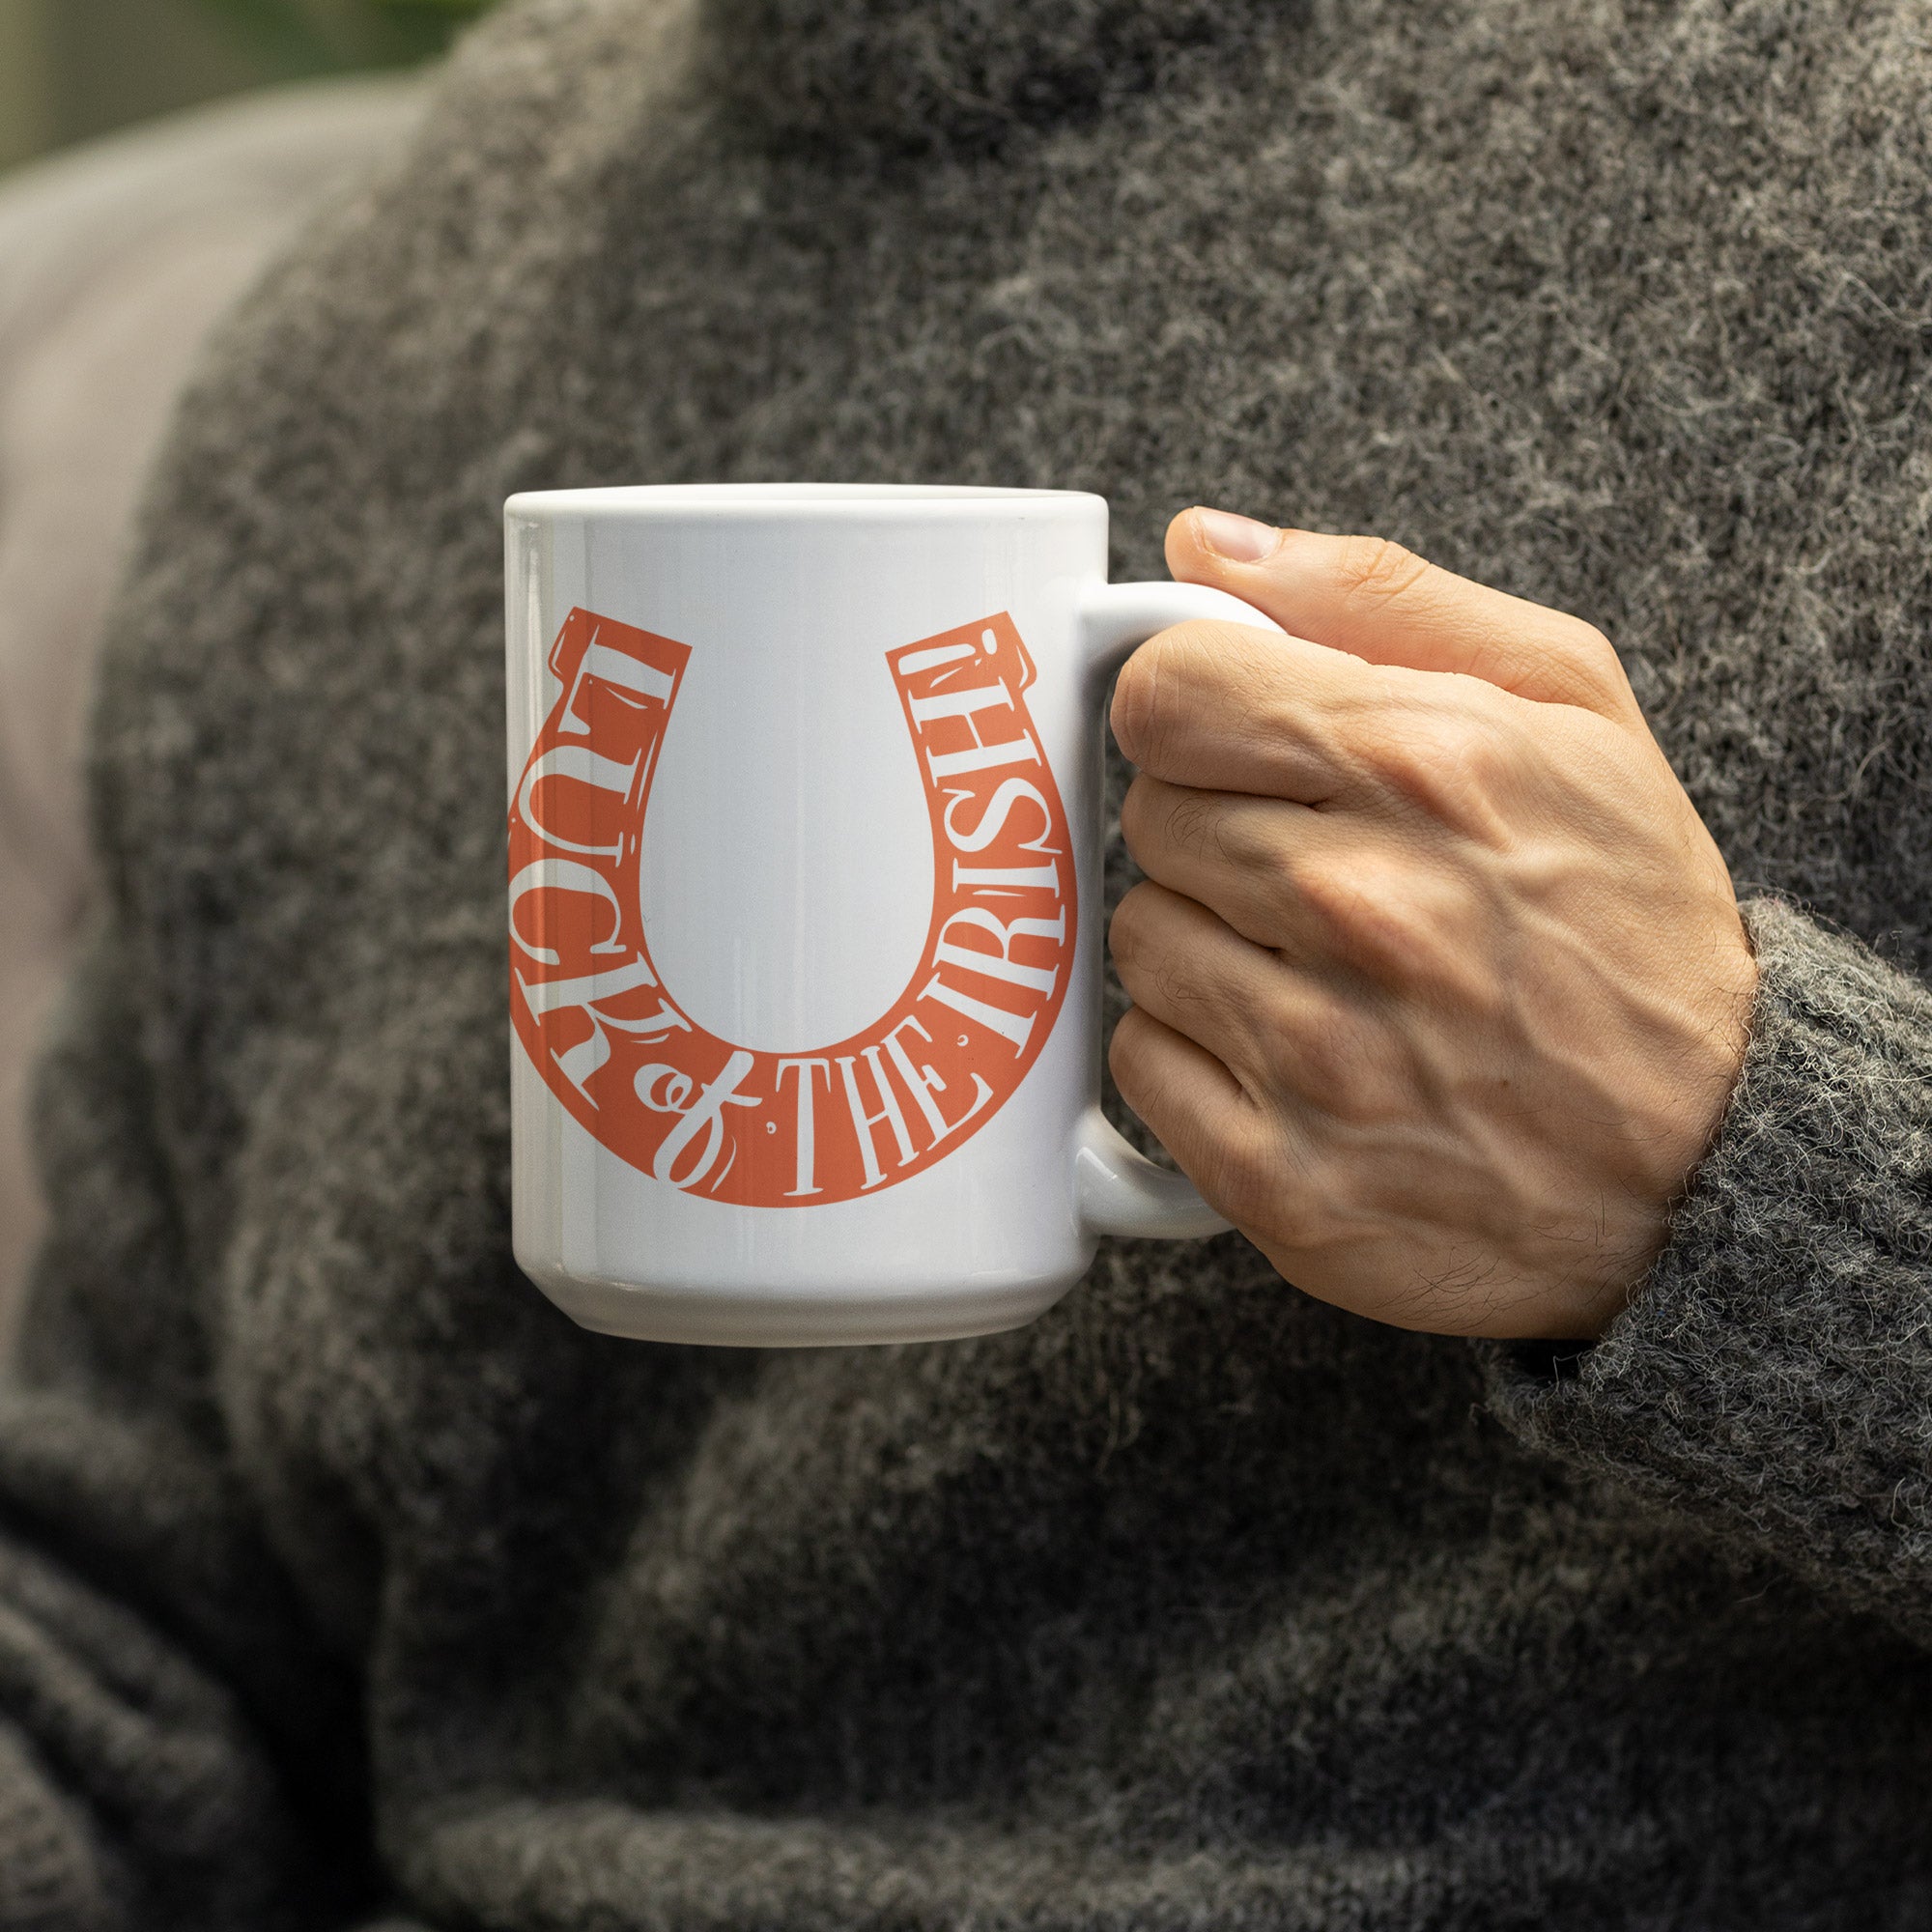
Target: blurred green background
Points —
{"points": [[71, 69]]}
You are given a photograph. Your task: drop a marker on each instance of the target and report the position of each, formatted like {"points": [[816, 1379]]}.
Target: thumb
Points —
{"points": [[1377, 601]]}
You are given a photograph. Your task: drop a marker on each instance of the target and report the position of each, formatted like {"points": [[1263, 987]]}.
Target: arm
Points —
{"points": [[1443, 998], [173, 1743]]}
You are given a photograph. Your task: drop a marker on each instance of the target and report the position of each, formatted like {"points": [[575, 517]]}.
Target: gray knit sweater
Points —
{"points": [[342, 1579]]}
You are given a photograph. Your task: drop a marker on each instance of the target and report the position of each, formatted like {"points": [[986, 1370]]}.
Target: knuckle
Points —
{"points": [[1150, 696], [1191, 820], [1328, 1056], [1177, 981], [1394, 941], [1451, 762], [1412, 743], [1289, 1220], [1126, 931], [1140, 707], [1381, 920], [1589, 644], [1596, 661], [1238, 1171], [1372, 572], [1188, 685], [1280, 881], [1274, 1184], [1127, 1054], [1326, 886], [1246, 840], [1264, 887]]}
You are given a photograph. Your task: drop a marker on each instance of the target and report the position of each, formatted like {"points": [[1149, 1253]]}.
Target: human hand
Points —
{"points": [[1440, 984]]}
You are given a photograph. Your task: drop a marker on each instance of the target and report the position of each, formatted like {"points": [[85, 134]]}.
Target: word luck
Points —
{"points": [[823, 1124]]}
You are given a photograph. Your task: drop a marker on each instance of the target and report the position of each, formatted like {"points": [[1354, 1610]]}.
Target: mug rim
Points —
{"points": [[734, 499]]}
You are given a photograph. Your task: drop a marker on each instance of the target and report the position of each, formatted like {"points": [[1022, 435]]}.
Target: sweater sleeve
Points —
{"points": [[1773, 1375], [171, 1737]]}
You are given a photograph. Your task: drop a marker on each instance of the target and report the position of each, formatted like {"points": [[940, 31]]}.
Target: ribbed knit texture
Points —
{"points": [[1773, 1376], [345, 1577]]}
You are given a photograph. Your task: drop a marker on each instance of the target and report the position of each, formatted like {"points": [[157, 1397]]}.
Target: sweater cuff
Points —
{"points": [[1772, 1373]]}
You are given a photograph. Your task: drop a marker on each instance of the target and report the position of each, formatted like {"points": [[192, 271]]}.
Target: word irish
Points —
{"points": [[824, 1122]]}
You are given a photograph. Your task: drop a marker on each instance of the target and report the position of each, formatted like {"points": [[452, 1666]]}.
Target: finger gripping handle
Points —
{"points": [[1118, 1190], [1116, 618]]}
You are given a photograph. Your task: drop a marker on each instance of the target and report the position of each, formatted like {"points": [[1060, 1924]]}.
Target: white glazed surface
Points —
{"points": [[787, 879]]}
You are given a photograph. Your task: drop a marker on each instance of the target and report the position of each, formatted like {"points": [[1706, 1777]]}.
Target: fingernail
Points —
{"points": [[1239, 539]]}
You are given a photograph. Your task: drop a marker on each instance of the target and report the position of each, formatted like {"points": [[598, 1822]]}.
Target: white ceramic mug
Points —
{"points": [[805, 907]]}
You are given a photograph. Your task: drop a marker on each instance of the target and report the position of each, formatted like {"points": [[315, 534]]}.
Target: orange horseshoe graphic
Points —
{"points": [[832, 1123]]}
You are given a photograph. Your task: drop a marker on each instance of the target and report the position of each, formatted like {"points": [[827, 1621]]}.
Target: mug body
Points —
{"points": [[805, 899]]}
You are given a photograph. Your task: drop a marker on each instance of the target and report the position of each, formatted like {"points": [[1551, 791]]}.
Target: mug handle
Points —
{"points": [[1120, 1192]]}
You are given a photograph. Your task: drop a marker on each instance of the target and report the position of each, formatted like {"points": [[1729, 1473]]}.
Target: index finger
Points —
{"points": [[1227, 707], [1373, 598]]}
